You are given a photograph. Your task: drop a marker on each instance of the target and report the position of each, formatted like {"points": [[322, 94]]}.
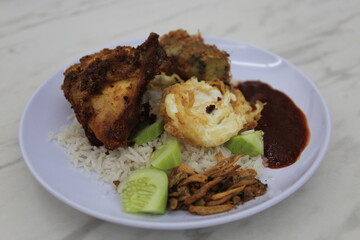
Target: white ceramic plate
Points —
{"points": [[47, 111]]}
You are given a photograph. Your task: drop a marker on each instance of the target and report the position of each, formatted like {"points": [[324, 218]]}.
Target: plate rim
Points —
{"points": [[206, 222]]}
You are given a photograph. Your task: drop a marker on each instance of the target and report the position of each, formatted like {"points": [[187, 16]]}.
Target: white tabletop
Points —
{"points": [[322, 38]]}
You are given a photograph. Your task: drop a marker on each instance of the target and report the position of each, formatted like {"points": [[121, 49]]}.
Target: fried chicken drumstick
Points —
{"points": [[105, 90]]}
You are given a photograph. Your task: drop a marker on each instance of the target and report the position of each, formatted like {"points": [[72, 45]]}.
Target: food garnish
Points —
{"points": [[218, 189], [248, 143], [145, 191], [162, 81], [150, 132], [167, 156]]}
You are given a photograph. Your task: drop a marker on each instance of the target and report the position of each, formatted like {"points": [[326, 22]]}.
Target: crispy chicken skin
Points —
{"points": [[192, 57], [105, 90]]}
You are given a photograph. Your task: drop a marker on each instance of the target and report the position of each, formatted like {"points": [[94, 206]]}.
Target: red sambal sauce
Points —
{"points": [[286, 132]]}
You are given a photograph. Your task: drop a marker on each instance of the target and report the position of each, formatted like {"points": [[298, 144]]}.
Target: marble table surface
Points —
{"points": [[320, 37]]}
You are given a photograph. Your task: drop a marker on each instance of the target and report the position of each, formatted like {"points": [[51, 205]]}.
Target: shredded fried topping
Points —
{"points": [[219, 189]]}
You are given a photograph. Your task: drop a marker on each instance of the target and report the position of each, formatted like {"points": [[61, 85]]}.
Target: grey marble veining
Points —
{"points": [[320, 37]]}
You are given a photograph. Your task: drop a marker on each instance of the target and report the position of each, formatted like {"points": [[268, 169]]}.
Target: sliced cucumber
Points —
{"points": [[145, 191], [248, 143], [167, 156], [150, 132]]}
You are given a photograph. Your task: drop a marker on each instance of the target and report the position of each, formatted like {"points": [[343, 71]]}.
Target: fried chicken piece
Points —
{"points": [[192, 57], [105, 90]]}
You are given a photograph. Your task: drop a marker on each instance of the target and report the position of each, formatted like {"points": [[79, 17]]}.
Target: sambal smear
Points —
{"points": [[284, 124]]}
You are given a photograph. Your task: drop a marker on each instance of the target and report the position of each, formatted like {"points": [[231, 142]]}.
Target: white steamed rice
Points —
{"points": [[117, 164]]}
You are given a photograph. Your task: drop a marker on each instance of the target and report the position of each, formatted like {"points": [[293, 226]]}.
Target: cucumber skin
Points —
{"points": [[143, 136], [175, 153], [241, 144], [154, 179]]}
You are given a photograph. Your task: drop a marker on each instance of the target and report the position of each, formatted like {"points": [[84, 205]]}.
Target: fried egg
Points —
{"points": [[206, 113]]}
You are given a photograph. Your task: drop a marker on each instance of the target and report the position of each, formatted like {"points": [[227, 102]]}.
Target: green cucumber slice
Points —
{"points": [[150, 132], [167, 156], [145, 191], [248, 143]]}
